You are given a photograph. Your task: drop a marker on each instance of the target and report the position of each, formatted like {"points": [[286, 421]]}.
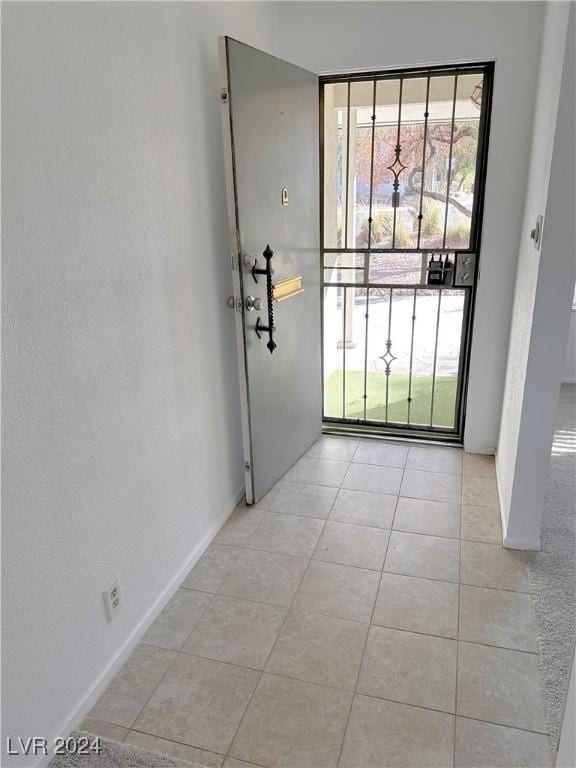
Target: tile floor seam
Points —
{"points": [[458, 503], [435, 471], [399, 530], [458, 635], [202, 612], [498, 647], [377, 463], [361, 525], [294, 514], [452, 714], [497, 589], [375, 570], [181, 744], [289, 554], [142, 708], [321, 613], [286, 676], [354, 693], [419, 533], [501, 725], [353, 621], [174, 741], [369, 629], [344, 476], [361, 490], [283, 677], [347, 565], [263, 670], [305, 455], [405, 704]]}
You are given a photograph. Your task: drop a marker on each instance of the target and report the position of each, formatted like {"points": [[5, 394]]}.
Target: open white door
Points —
{"points": [[270, 119]]}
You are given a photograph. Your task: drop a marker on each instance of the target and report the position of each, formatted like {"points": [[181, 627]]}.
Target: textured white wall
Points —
{"points": [[542, 299], [121, 427], [328, 37], [570, 361]]}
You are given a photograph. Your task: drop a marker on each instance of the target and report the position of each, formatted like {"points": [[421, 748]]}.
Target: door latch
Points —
{"points": [[252, 303]]}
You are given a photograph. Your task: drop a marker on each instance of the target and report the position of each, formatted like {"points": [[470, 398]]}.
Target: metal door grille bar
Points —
{"points": [[369, 283], [435, 360], [395, 250], [449, 169], [373, 118], [397, 151], [388, 345], [345, 301], [389, 357], [365, 396], [347, 182], [412, 357], [410, 72], [424, 140], [391, 286]]}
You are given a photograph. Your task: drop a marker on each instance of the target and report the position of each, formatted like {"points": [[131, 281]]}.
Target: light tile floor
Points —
{"points": [[363, 614]]}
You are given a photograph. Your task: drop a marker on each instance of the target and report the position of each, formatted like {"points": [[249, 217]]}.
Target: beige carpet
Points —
{"points": [[553, 569], [116, 755]]}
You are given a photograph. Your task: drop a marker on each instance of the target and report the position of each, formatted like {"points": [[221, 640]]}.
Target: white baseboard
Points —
{"points": [[490, 450], [510, 542], [526, 544], [503, 520], [91, 697]]}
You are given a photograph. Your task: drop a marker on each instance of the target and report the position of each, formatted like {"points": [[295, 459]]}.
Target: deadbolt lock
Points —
{"points": [[251, 303]]}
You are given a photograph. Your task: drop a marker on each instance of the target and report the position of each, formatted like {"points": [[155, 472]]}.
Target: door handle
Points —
{"points": [[268, 253]]}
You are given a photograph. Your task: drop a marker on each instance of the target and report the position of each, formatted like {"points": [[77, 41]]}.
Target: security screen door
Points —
{"points": [[403, 157], [271, 128]]}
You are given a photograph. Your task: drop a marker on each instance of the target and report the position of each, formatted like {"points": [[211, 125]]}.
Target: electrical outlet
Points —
{"points": [[113, 599]]}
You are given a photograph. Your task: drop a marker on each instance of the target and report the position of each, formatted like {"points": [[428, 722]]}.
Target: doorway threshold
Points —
{"points": [[425, 437]]}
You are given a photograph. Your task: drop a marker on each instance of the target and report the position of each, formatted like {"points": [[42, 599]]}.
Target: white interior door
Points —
{"points": [[270, 119]]}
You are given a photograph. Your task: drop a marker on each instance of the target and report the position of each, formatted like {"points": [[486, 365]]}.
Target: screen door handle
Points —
{"points": [[268, 253]]}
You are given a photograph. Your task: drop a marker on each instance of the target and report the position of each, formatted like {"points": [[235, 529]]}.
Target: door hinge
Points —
{"points": [[224, 95], [247, 466]]}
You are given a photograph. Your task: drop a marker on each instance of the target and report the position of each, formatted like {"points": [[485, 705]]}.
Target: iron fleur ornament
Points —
{"points": [[388, 357]]}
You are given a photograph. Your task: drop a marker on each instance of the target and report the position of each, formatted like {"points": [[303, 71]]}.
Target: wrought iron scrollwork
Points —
{"points": [[396, 168], [388, 358], [259, 329]]}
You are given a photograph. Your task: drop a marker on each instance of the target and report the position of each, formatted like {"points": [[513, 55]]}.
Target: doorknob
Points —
{"points": [[251, 303]]}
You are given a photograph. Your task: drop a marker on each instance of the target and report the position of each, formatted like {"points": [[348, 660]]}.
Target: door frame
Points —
{"points": [[377, 429], [237, 272]]}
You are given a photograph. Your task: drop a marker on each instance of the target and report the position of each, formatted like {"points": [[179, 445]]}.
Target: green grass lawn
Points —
{"points": [[444, 398]]}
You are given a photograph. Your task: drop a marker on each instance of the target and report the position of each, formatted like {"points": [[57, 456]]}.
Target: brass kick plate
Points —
{"points": [[285, 289]]}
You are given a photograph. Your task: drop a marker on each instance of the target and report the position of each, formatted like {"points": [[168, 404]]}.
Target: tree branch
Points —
{"points": [[435, 195]]}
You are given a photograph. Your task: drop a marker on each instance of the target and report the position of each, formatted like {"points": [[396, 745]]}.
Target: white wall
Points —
{"points": [[327, 37], [570, 361], [543, 296], [121, 429]]}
